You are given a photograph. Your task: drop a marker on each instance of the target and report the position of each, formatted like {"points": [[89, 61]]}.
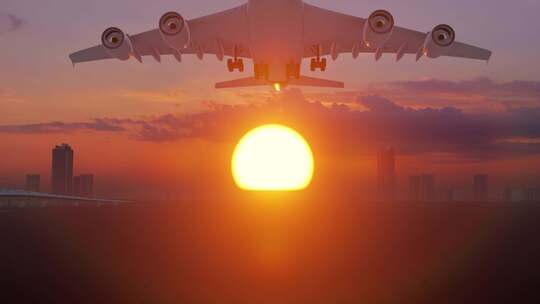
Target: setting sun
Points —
{"points": [[272, 158]]}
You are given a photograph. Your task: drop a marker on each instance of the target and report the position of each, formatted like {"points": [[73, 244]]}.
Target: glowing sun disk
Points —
{"points": [[272, 158]]}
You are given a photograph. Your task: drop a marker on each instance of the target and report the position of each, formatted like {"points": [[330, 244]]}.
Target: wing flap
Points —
{"points": [[463, 50]]}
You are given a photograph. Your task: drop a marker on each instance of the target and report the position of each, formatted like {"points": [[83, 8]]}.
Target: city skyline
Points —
{"points": [[421, 187], [63, 181]]}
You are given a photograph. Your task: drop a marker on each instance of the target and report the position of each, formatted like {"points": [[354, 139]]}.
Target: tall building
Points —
{"points": [[33, 182], [532, 194], [83, 185], [480, 187], [386, 174], [62, 170], [422, 188]]}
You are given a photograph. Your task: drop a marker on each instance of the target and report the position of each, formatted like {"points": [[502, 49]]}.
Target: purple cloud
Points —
{"points": [[99, 125], [337, 126], [477, 94]]}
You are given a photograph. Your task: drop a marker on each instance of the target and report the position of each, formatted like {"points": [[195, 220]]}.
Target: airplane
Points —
{"points": [[277, 35]]}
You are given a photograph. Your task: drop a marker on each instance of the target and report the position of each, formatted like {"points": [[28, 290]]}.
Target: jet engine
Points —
{"points": [[174, 30], [439, 40], [117, 43], [378, 29]]}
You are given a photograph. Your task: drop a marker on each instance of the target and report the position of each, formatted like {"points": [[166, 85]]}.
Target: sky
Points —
{"points": [[164, 127]]}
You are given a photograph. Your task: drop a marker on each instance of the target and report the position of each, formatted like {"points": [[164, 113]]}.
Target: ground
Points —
{"points": [[272, 250]]}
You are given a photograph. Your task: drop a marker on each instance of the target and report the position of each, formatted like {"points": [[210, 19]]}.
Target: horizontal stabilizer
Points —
{"points": [[242, 82], [316, 82], [302, 81]]}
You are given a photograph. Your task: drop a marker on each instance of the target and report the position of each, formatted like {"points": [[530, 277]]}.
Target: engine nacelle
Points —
{"points": [[378, 29], [439, 40], [174, 30], [117, 43]]}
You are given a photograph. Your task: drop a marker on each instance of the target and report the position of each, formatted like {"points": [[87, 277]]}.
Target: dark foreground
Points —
{"points": [[269, 251]]}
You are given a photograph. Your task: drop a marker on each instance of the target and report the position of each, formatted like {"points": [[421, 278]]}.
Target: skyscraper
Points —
{"points": [[33, 182], [532, 194], [83, 185], [386, 174], [480, 187], [62, 170]]}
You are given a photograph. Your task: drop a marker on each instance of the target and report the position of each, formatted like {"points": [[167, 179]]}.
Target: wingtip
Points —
{"points": [[489, 57], [72, 60]]}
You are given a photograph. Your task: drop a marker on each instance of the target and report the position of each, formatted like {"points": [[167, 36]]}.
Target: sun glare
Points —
{"points": [[272, 158]]}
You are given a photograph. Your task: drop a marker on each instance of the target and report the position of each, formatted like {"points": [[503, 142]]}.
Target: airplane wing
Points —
{"points": [[218, 34], [333, 33]]}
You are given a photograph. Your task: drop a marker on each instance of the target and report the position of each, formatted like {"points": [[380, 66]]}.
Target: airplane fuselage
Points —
{"points": [[276, 31]]}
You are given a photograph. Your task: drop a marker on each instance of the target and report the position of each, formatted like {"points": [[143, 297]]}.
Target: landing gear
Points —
{"points": [[318, 63], [235, 64]]}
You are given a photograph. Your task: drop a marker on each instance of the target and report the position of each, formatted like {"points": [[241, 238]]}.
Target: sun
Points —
{"points": [[272, 158]]}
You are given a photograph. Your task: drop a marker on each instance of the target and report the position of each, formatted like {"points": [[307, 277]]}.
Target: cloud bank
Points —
{"points": [[477, 94], [509, 133]]}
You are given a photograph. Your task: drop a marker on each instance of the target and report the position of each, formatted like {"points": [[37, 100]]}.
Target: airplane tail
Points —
{"points": [[302, 81]]}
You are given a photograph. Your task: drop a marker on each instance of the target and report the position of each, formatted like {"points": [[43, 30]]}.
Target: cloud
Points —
{"points": [[477, 94], [337, 127], [9, 23], [99, 125]]}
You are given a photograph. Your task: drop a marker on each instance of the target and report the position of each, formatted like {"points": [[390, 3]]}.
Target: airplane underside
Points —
{"points": [[277, 35]]}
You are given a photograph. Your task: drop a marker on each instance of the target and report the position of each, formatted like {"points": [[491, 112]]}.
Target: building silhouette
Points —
{"points": [[480, 187], [62, 170], [83, 185], [33, 182], [386, 174], [422, 188], [532, 194]]}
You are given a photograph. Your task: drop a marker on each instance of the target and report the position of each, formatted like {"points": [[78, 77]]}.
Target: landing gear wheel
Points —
{"points": [[240, 65], [318, 63], [235, 64], [313, 65], [230, 65], [323, 64]]}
